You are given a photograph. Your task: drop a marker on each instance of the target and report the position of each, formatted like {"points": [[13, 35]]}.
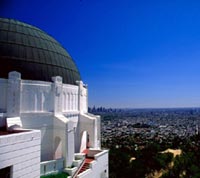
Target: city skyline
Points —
{"points": [[131, 54]]}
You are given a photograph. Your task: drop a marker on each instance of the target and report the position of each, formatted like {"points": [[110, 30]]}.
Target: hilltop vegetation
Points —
{"points": [[136, 141], [149, 159]]}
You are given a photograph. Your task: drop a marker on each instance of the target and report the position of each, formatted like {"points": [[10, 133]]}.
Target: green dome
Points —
{"points": [[33, 53]]}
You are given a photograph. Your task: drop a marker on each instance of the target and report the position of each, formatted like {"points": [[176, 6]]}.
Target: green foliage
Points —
{"points": [[59, 175], [186, 165], [162, 160], [118, 162], [149, 158]]}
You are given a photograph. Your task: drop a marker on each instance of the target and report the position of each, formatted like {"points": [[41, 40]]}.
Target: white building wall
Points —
{"points": [[63, 143], [70, 98], [14, 94], [74, 119], [91, 124], [84, 100], [39, 96], [21, 151], [59, 140], [98, 168], [58, 110], [36, 96], [82, 97], [45, 123]]}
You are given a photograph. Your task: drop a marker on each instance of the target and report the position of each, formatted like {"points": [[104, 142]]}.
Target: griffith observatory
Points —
{"points": [[45, 127]]}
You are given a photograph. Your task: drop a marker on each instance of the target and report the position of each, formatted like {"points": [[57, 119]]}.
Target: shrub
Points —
{"points": [[59, 175]]}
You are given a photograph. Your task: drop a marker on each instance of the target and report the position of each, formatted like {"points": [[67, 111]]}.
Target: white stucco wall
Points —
{"points": [[36, 96], [64, 139], [21, 151], [39, 96], [70, 98], [98, 168], [45, 123], [84, 98], [42, 97], [58, 110], [57, 134], [91, 124], [73, 117]]}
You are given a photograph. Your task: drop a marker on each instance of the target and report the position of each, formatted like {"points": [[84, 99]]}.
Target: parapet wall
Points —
{"points": [[21, 152], [40, 96]]}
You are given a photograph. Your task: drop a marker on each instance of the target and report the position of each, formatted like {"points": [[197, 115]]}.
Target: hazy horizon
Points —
{"points": [[153, 108]]}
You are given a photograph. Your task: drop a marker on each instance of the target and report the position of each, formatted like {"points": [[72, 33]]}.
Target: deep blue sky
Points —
{"points": [[130, 53]]}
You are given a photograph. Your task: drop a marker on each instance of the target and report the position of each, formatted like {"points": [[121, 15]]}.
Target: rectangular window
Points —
{"points": [[5, 172]]}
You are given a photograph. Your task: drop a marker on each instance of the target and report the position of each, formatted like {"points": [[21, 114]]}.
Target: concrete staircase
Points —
{"points": [[84, 167], [81, 163]]}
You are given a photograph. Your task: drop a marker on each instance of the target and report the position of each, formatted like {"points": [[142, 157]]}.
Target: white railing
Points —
{"points": [[84, 174], [52, 166], [92, 153], [100, 154]]}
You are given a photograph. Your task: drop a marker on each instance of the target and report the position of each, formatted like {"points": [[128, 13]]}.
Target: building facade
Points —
{"points": [[44, 117]]}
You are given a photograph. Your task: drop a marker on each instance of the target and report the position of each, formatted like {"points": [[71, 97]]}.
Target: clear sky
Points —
{"points": [[131, 53]]}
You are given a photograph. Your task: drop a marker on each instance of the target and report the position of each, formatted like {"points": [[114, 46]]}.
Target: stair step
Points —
{"points": [[84, 168]]}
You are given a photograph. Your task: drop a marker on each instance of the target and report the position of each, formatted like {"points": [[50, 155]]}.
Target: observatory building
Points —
{"points": [[45, 126]]}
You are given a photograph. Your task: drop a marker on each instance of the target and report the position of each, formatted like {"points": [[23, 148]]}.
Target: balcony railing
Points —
{"points": [[52, 166]]}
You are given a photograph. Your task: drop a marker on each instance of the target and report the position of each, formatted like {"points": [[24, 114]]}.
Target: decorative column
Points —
{"points": [[82, 97], [80, 93], [57, 94], [14, 94], [70, 144], [86, 99]]}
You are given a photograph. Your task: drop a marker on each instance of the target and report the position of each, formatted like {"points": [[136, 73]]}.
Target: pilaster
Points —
{"points": [[57, 94], [14, 94]]}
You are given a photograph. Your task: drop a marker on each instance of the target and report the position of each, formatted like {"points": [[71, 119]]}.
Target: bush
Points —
{"points": [[59, 175]]}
